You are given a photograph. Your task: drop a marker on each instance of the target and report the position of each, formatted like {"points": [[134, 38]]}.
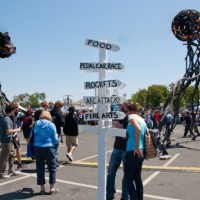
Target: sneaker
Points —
{"points": [[4, 176], [194, 138], [33, 158], [70, 157], [12, 173], [20, 167]]}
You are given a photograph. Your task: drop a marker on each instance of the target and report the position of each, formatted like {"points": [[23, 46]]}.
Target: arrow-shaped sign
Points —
{"points": [[102, 45], [109, 131], [103, 100], [104, 84], [89, 116], [97, 67]]}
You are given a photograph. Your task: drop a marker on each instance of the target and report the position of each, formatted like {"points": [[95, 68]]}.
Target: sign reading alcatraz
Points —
{"points": [[103, 100]]}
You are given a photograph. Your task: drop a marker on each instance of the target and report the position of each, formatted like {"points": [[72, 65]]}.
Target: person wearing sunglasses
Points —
{"points": [[134, 152]]}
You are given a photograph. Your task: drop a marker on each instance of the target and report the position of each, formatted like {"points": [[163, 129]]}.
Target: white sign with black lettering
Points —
{"points": [[107, 123], [89, 100], [88, 116], [104, 84], [102, 45], [97, 67], [120, 132]]}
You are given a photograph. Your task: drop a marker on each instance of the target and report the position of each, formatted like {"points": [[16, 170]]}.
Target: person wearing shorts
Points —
{"points": [[71, 131], [15, 138]]}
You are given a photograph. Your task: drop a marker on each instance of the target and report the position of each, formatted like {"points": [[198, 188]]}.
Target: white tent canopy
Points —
{"points": [[197, 108]]}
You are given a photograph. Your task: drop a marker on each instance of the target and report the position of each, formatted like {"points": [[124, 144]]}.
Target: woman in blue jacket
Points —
{"points": [[45, 139], [134, 152]]}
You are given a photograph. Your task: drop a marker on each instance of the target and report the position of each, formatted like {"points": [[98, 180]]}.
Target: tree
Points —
{"points": [[156, 94], [140, 97], [30, 100]]}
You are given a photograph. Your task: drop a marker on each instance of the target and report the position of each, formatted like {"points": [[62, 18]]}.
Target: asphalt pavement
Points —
{"points": [[175, 179]]}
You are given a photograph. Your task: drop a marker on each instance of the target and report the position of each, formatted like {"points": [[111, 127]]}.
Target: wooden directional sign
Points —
{"points": [[104, 84], [103, 100], [116, 132], [108, 131], [97, 67], [89, 116], [102, 45], [107, 123]]}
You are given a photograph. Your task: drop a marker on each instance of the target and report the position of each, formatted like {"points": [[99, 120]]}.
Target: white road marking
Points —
{"points": [[159, 197], [12, 181], [92, 186], [158, 172], [27, 175], [87, 158]]}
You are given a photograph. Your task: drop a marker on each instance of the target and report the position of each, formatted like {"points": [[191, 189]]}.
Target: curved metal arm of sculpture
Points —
{"points": [[178, 92], [3, 102]]}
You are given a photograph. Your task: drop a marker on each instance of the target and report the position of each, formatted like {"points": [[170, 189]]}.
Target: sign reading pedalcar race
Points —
{"points": [[95, 67], [104, 84], [107, 115], [103, 100], [102, 45]]}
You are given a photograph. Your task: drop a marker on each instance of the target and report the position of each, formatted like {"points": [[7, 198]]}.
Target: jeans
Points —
{"points": [[48, 154], [115, 160], [188, 128], [56, 151], [6, 155], [132, 172]]}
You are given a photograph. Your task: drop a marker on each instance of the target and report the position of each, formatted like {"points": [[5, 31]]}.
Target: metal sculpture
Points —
{"points": [[6, 50], [185, 27], [6, 46]]}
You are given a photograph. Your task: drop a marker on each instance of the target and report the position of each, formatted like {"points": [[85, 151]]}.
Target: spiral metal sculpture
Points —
{"points": [[6, 50], [185, 27], [6, 46]]}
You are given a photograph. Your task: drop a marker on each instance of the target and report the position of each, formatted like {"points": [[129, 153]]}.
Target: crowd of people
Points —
{"points": [[191, 120], [45, 128]]}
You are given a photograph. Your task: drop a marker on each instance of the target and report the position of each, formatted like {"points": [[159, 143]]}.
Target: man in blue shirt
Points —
{"points": [[6, 131]]}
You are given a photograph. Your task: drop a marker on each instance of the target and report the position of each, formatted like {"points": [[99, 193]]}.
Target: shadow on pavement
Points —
{"points": [[25, 193]]}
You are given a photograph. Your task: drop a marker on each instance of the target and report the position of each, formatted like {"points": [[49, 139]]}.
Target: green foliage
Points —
{"points": [[189, 93], [152, 97], [140, 97], [156, 94], [30, 100]]}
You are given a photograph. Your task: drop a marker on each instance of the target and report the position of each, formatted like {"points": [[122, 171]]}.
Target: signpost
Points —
{"points": [[104, 84], [96, 67], [102, 45], [88, 116], [103, 101]]}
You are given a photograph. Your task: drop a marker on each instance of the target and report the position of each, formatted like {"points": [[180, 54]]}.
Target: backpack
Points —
{"points": [[27, 121], [151, 144]]}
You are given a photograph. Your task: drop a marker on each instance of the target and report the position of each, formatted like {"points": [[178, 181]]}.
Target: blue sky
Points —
{"points": [[50, 39]]}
